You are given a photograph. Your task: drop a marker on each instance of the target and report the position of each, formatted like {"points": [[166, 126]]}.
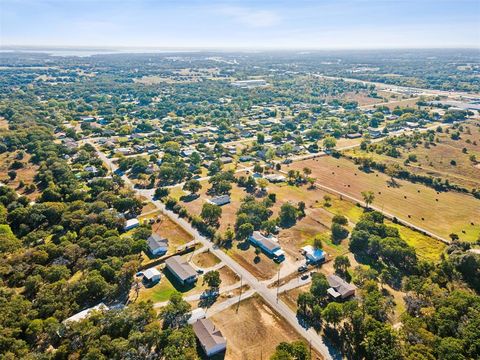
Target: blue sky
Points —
{"points": [[242, 24]]}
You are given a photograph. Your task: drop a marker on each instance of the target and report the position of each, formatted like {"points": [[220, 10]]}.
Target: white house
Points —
{"points": [[151, 275], [131, 224], [84, 313], [220, 200]]}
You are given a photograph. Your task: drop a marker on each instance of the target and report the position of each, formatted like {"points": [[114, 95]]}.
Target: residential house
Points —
{"points": [[220, 200], [157, 246], [131, 224], [340, 289], [210, 338], [353, 136], [269, 245], [84, 313], [181, 269], [313, 255], [151, 276], [275, 178]]}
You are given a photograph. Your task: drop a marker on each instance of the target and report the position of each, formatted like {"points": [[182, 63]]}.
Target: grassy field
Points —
{"points": [[440, 213], [436, 159], [254, 331], [168, 285]]}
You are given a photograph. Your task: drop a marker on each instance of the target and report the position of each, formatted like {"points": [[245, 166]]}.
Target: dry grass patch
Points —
{"points": [[254, 332], [205, 260], [440, 213], [167, 228]]}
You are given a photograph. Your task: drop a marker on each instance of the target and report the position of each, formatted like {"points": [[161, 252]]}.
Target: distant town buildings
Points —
{"points": [[250, 83]]}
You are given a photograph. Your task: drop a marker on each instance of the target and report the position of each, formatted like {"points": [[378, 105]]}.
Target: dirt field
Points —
{"points": [[261, 267], [290, 297], [205, 260], [440, 213], [228, 211], [25, 174], [167, 228], [254, 332]]}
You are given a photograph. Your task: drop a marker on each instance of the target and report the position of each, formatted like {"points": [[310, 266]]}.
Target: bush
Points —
{"points": [[339, 232], [340, 219]]}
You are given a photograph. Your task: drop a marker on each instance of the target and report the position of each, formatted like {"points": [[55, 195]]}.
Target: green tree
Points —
{"points": [[329, 142], [368, 197], [175, 314], [244, 231], [341, 265], [192, 185], [9, 242], [212, 279], [211, 213], [333, 314], [287, 215]]}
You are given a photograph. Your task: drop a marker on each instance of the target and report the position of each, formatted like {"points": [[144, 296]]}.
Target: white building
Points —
{"points": [[131, 224]]}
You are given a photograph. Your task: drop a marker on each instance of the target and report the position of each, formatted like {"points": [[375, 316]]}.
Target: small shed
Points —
{"points": [[151, 276]]}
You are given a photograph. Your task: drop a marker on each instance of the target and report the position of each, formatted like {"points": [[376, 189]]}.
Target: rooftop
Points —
{"points": [[180, 267], [208, 335]]}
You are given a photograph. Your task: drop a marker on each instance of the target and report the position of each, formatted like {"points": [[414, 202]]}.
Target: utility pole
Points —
{"points": [[240, 296]]}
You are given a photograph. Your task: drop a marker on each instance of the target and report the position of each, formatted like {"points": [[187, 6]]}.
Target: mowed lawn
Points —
{"points": [[441, 213], [254, 331]]}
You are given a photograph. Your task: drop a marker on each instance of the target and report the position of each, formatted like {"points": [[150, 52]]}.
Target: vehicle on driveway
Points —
{"points": [[302, 269]]}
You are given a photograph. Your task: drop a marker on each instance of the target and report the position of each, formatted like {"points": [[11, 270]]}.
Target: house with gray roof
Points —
{"points": [[210, 338], [181, 269], [340, 289], [157, 246], [269, 245]]}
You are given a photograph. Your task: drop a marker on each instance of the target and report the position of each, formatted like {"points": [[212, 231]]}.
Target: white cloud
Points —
{"points": [[254, 18]]}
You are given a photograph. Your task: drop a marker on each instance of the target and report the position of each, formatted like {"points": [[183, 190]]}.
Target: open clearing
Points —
{"points": [[254, 332], [205, 260], [26, 173], [166, 228], [436, 159], [442, 213]]}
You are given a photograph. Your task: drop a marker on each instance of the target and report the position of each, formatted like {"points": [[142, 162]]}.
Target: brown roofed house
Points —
{"points": [[210, 337], [339, 288]]}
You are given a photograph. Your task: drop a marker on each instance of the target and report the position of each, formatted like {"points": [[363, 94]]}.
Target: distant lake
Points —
{"points": [[91, 52]]}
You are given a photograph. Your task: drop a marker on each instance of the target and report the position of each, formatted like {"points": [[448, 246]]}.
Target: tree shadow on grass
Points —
{"points": [[189, 198]]}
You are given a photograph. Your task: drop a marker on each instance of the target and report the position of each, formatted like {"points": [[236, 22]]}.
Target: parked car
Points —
{"points": [[304, 277], [302, 269]]}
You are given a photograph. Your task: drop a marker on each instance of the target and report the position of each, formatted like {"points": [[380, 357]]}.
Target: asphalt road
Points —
{"points": [[269, 295]]}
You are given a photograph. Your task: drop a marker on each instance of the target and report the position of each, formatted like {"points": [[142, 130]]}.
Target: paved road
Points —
{"points": [[269, 295], [360, 201], [399, 88]]}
